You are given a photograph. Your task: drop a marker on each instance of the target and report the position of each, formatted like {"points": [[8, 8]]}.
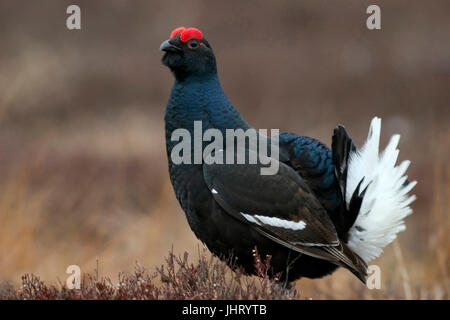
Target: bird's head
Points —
{"points": [[188, 54]]}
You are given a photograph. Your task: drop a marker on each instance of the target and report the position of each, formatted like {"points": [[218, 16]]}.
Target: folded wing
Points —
{"points": [[282, 208]]}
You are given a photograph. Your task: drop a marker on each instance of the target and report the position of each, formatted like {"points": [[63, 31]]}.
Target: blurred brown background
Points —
{"points": [[83, 170]]}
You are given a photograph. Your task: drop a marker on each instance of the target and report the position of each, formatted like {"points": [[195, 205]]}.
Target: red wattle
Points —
{"points": [[176, 31], [191, 33]]}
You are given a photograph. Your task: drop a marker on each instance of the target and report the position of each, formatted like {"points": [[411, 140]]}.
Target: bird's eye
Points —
{"points": [[193, 44]]}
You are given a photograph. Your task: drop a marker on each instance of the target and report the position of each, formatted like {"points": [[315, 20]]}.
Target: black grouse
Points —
{"points": [[322, 209]]}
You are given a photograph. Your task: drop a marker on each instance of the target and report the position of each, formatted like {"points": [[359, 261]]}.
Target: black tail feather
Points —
{"points": [[342, 147]]}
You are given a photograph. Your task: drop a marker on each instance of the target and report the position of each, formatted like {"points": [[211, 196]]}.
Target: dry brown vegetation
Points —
{"points": [[83, 170], [176, 279]]}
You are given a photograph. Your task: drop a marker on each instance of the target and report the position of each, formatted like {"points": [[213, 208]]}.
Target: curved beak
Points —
{"points": [[169, 47]]}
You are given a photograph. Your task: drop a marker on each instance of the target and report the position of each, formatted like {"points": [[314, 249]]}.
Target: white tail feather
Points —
{"points": [[386, 201]]}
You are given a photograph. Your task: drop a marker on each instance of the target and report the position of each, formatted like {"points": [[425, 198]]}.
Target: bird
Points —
{"points": [[323, 209]]}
